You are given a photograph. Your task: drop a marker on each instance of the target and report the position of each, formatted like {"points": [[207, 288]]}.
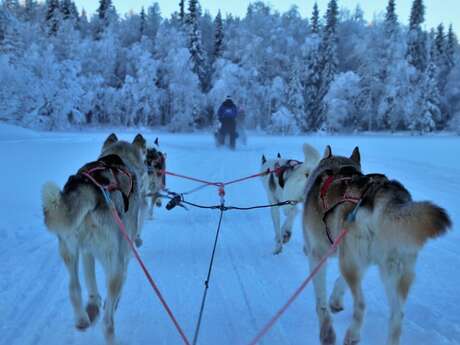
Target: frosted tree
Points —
{"points": [[416, 42], [153, 21], [451, 46], [182, 10], [295, 97], [427, 113], [68, 10]]}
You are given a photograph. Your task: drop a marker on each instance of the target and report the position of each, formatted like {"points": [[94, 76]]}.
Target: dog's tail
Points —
{"points": [[65, 211], [422, 221]]}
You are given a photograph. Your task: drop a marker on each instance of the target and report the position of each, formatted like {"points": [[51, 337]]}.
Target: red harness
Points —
{"points": [[328, 208], [113, 184]]}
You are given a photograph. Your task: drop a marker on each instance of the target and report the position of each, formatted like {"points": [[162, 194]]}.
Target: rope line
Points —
{"points": [[208, 277]]}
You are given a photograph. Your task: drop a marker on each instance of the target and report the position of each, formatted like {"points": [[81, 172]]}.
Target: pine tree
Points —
{"points": [[416, 45], [195, 46], [52, 16], [218, 37], [65, 9], [391, 20], [182, 10], [440, 41], [328, 62], [315, 26], [451, 46], [30, 9], [142, 22]]}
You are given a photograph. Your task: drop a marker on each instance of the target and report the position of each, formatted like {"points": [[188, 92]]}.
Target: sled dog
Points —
{"points": [[84, 225], [386, 228], [155, 162], [285, 182]]}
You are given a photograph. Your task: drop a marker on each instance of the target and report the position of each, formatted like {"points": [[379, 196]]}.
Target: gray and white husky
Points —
{"points": [[388, 230], [80, 218], [286, 182]]}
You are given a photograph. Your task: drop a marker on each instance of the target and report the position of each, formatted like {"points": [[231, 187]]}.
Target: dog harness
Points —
{"points": [[279, 170], [115, 166], [346, 197]]}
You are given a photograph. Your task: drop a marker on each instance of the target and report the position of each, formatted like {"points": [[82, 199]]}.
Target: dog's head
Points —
{"points": [[132, 154]]}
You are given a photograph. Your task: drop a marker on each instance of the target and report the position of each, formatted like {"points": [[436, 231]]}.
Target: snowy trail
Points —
{"points": [[248, 283]]}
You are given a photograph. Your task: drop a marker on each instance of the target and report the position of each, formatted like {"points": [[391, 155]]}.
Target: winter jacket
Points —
{"points": [[227, 110]]}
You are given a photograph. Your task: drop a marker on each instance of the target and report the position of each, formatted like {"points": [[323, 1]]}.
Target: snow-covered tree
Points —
{"points": [[314, 22], [53, 16], [416, 45], [295, 96], [218, 37]]}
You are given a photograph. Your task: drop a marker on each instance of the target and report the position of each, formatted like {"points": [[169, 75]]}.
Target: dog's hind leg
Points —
{"points": [[116, 275], [94, 301], [353, 274], [336, 298], [69, 253], [290, 213], [327, 333], [278, 235], [397, 277]]}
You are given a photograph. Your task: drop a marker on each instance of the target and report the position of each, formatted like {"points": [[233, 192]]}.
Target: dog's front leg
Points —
{"points": [[327, 333], [278, 235], [290, 212], [69, 253]]}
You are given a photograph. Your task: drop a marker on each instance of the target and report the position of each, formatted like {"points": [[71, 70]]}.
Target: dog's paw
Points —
{"points": [[82, 323], [93, 312], [327, 333], [286, 236], [278, 249], [138, 241], [336, 306], [351, 338]]}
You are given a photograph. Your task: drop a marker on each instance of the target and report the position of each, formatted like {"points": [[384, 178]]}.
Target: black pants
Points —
{"points": [[228, 128]]}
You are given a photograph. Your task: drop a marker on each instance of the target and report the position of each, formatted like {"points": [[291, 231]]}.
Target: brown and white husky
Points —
{"points": [[84, 225], [388, 230]]}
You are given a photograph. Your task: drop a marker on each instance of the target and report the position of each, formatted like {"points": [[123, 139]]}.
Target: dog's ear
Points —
{"points": [[111, 139], [327, 152], [278, 155], [157, 142], [356, 156], [140, 142], [264, 160]]}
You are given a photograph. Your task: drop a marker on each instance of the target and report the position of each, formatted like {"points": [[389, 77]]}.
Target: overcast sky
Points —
{"points": [[446, 11]]}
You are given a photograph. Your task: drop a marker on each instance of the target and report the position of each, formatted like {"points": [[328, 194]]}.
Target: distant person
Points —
{"points": [[227, 114]]}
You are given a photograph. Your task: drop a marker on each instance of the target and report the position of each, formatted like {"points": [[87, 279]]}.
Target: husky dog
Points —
{"points": [[386, 228], [155, 161], [286, 182], [80, 218]]}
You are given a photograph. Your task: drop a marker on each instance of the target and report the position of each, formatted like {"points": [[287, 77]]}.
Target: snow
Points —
{"points": [[248, 284]]}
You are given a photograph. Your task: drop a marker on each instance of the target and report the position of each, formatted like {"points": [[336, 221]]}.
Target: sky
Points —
{"points": [[446, 11]]}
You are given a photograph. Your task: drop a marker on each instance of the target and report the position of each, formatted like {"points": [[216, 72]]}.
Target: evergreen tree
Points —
{"points": [[195, 46], [328, 62], [65, 9], [451, 46], [315, 26], [218, 37], [52, 16], [142, 22], [182, 10], [30, 9], [391, 20], [416, 45]]}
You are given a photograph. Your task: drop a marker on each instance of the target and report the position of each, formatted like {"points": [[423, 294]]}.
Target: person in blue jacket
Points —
{"points": [[227, 114]]}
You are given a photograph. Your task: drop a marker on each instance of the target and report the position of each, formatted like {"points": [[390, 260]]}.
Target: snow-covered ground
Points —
{"points": [[248, 284]]}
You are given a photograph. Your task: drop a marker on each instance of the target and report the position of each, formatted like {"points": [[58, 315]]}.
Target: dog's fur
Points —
{"points": [[290, 185], [83, 223], [388, 231]]}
